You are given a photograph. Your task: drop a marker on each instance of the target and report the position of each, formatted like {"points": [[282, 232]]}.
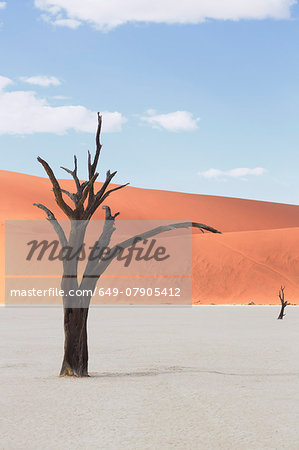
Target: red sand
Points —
{"points": [[256, 254]]}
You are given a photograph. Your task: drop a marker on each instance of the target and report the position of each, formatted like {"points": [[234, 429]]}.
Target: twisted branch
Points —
{"points": [[97, 267], [54, 222], [56, 189]]}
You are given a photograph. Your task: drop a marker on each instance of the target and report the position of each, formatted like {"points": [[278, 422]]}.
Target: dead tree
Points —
{"points": [[284, 303], [86, 201]]}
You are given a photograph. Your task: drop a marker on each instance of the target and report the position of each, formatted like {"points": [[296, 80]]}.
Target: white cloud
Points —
{"points": [[69, 23], [41, 80], [60, 97], [240, 172], [3, 5], [4, 81], [174, 121], [57, 20], [23, 112], [106, 15]]}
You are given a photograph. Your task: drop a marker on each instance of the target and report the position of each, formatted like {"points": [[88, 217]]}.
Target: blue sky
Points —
{"points": [[203, 99]]}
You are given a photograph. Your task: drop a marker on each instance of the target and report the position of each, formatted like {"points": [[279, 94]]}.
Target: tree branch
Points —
{"points": [[98, 267], [54, 222], [162, 229], [70, 195], [101, 243], [112, 190], [87, 188], [56, 189], [93, 165], [98, 144], [84, 184], [94, 201], [281, 295], [74, 174]]}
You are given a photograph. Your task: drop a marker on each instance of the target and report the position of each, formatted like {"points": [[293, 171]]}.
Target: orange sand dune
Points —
{"points": [[258, 251], [244, 267], [19, 191]]}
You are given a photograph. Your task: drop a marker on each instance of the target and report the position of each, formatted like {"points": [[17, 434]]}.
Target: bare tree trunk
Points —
{"points": [[75, 361], [281, 314]]}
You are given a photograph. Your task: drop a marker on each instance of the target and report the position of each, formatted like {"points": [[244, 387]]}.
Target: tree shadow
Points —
{"points": [[180, 369]]}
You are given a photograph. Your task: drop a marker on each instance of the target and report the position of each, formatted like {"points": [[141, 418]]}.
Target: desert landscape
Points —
{"points": [[149, 225], [202, 376]]}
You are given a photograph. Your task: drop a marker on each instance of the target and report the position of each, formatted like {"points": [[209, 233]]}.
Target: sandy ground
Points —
{"points": [[187, 378]]}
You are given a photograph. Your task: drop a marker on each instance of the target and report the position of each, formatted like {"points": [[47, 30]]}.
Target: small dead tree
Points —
{"points": [[284, 303], [86, 201]]}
